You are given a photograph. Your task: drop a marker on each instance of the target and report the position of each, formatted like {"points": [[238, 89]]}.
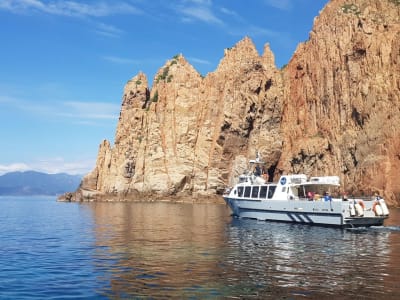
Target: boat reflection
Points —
{"points": [[317, 261]]}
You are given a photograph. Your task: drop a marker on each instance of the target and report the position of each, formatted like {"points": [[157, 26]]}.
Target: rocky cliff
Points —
{"points": [[334, 109]]}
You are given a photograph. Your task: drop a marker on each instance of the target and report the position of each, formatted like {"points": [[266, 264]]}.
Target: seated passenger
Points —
{"points": [[327, 196], [257, 170], [345, 197], [310, 196]]}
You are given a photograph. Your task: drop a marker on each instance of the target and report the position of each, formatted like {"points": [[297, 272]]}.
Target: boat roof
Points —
{"points": [[320, 180], [256, 161]]}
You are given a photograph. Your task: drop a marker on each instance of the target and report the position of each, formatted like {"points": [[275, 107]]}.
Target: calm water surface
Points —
{"points": [[51, 250]]}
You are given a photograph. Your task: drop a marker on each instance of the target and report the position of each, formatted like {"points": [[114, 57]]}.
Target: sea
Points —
{"points": [[163, 250]]}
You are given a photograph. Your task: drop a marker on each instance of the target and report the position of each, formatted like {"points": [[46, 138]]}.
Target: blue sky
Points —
{"points": [[63, 64]]}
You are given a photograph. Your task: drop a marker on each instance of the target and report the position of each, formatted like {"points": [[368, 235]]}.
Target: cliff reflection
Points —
{"points": [[158, 247]]}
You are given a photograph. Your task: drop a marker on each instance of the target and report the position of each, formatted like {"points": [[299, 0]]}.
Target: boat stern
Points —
{"points": [[364, 221]]}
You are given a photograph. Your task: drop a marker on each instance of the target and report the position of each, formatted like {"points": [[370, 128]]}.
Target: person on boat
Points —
{"points": [[345, 197], [377, 197], [310, 196], [257, 170], [327, 196], [264, 173]]}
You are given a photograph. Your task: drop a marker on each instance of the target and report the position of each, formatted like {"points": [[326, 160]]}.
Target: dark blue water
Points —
{"points": [[51, 250]]}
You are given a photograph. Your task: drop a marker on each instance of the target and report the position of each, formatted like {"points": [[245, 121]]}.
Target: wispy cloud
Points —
{"points": [[79, 111], [90, 110], [60, 165], [90, 12], [108, 30], [231, 13], [280, 4], [70, 8], [199, 61], [252, 30], [51, 166], [201, 14], [120, 60], [198, 10], [6, 99]]}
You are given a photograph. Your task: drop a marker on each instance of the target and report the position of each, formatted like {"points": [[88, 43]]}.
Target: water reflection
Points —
{"points": [[198, 250], [160, 248], [313, 261]]}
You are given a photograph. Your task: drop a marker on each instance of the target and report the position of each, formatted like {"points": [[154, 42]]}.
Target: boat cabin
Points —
{"points": [[297, 187], [255, 192], [289, 187]]}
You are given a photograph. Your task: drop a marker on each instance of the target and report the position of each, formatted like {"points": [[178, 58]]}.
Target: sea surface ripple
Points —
{"points": [[159, 250]]}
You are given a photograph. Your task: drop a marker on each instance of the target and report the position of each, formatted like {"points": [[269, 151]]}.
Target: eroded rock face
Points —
{"points": [[342, 94], [333, 110]]}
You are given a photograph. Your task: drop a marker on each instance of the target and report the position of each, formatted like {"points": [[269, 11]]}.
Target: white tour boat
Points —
{"points": [[296, 198]]}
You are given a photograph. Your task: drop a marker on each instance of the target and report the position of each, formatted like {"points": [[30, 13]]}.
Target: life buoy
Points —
{"points": [[377, 209], [385, 210], [361, 203], [359, 207]]}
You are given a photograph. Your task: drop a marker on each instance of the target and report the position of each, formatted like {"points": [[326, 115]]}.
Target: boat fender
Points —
{"points": [[360, 207], [352, 210], [376, 208], [384, 207]]}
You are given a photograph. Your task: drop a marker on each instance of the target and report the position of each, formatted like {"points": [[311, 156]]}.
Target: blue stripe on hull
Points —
{"points": [[322, 213], [295, 217], [263, 213]]}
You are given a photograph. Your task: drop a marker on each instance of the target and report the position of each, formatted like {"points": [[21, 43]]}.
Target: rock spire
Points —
{"points": [[333, 110]]}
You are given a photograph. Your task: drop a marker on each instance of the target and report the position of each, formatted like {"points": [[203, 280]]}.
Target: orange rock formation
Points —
{"points": [[333, 110]]}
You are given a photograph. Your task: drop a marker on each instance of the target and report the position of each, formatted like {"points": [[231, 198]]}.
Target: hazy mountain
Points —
{"points": [[36, 183]]}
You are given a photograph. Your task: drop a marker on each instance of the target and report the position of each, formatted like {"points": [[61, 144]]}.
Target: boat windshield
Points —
{"points": [[316, 190]]}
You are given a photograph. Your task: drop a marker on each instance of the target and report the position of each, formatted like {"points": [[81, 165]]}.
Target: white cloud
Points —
{"points": [[69, 8], [14, 167], [52, 166], [59, 165]]}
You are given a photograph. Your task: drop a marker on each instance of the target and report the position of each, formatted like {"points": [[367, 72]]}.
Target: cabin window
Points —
{"points": [[263, 192], [254, 192], [240, 191], [271, 191], [284, 189], [247, 191]]}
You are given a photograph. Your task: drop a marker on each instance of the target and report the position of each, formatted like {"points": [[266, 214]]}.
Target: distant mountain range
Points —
{"points": [[37, 183]]}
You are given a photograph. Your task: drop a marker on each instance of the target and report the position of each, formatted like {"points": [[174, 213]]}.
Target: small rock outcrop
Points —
{"points": [[333, 110]]}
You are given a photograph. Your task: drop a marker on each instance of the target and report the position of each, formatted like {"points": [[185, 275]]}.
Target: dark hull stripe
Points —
{"points": [[290, 213]]}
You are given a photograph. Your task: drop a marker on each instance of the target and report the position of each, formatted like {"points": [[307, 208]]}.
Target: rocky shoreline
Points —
{"points": [[332, 110], [137, 197]]}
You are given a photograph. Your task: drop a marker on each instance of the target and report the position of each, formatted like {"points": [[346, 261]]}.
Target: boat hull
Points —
{"points": [[305, 212]]}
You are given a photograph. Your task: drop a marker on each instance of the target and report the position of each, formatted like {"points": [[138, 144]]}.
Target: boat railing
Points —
{"points": [[363, 198]]}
